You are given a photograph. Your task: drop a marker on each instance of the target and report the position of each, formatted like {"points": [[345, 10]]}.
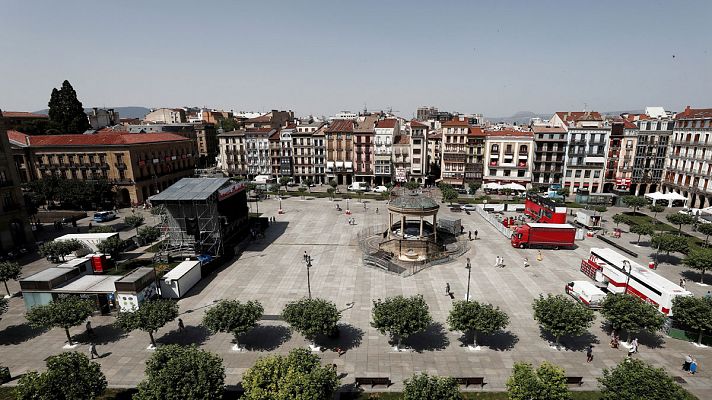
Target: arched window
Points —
{"points": [[522, 149], [495, 148]]}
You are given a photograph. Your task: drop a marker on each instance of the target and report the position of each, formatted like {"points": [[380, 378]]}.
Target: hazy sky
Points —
{"points": [[319, 57]]}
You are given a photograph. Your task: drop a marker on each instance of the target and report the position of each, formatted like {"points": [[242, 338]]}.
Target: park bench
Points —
{"points": [[373, 381], [471, 380], [574, 380]]}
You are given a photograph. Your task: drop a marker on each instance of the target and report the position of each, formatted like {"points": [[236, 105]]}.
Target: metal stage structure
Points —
{"points": [[200, 216]]}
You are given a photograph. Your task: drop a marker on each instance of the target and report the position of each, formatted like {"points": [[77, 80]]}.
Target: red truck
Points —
{"points": [[544, 235]]}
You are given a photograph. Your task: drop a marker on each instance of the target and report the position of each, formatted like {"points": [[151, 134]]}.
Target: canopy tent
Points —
{"points": [[493, 186], [670, 197], [514, 186]]}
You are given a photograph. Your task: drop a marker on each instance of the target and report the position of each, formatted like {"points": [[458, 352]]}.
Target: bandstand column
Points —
{"points": [[421, 226], [390, 224], [435, 227], [403, 226]]}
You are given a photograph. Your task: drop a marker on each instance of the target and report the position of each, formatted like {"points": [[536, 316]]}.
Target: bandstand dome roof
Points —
{"points": [[414, 203]]}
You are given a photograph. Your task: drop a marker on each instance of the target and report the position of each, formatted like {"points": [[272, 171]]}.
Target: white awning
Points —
{"points": [[492, 185], [674, 196], [330, 164], [349, 164], [655, 196], [339, 164], [514, 186]]}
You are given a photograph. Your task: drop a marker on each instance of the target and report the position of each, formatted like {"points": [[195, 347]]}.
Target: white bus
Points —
{"points": [[607, 266]]}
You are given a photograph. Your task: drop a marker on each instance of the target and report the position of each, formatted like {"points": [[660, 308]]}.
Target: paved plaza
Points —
{"points": [[272, 271]]}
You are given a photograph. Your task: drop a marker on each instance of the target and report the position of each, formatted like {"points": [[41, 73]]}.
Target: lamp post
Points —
{"points": [[469, 272], [308, 260], [627, 270]]}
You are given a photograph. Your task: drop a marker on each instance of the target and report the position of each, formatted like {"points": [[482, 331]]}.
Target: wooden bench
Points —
{"points": [[574, 380], [471, 380], [373, 381]]}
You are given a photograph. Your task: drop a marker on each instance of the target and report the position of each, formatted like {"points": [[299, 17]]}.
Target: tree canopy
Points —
{"points": [[401, 316], [69, 376], [559, 315], [3, 305], [668, 242], [232, 316], [149, 317], [621, 218], [312, 317], [58, 249], [72, 193], [298, 376], [680, 220], [427, 387], [412, 185], [473, 187], [548, 382], [634, 202], [642, 229], [699, 259], [112, 246], [134, 221], [61, 313], [182, 372], [9, 270], [148, 234], [66, 113], [449, 195], [635, 379], [705, 229], [471, 316], [628, 312], [694, 313]]}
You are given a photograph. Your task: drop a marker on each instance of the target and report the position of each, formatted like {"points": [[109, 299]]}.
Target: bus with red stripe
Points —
{"points": [[607, 266]]}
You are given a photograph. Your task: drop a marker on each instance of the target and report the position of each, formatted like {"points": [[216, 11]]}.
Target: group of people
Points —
{"points": [[469, 235], [690, 364], [352, 221], [683, 282]]}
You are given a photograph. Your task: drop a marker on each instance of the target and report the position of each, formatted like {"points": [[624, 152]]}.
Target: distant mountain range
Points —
{"points": [[523, 117], [124, 112]]}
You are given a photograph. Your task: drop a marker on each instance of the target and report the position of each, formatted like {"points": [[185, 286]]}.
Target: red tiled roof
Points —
{"points": [[547, 129], [401, 139], [100, 139], [258, 130], [261, 118], [341, 125], [476, 131], [18, 137], [456, 122], [417, 124], [574, 116], [387, 123], [22, 114], [694, 113], [508, 132], [435, 135], [629, 125]]}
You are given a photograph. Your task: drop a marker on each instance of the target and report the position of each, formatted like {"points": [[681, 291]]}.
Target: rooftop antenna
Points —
{"points": [[585, 106]]}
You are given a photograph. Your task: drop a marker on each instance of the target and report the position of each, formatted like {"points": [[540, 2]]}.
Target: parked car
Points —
{"points": [[380, 189], [468, 207], [103, 216]]}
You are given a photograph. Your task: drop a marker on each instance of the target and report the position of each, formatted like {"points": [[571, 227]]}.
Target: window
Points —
{"points": [[522, 149], [568, 173], [578, 173], [596, 174], [495, 148], [587, 174]]}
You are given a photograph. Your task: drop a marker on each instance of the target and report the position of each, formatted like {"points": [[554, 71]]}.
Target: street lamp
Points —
{"points": [[469, 272], [308, 260], [628, 270]]}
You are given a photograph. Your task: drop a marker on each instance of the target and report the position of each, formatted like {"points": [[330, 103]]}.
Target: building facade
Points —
{"points": [[549, 153], [232, 159], [286, 160], [165, 116], [339, 151], [508, 155], [474, 168], [651, 152], [385, 132], [364, 149], [258, 151], [454, 151], [419, 151]]}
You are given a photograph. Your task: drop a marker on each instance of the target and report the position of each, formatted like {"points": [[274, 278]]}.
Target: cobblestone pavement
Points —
{"points": [[271, 270]]}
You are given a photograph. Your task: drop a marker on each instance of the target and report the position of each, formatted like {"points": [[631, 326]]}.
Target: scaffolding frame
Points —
{"points": [[178, 242]]}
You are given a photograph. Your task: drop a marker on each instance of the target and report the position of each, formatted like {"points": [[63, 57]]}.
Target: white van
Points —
{"points": [[358, 187], [586, 292]]}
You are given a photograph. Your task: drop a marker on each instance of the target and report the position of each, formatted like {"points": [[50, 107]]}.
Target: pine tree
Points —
{"points": [[66, 112]]}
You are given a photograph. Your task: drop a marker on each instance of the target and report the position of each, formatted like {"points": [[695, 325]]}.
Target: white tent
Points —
{"points": [[655, 196], [675, 196], [493, 186], [514, 186]]}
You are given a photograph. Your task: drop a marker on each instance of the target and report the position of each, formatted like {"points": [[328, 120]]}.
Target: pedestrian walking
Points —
{"points": [[469, 235], [181, 326], [90, 330], [539, 257], [306, 257], [687, 363], [364, 206], [92, 351], [589, 353], [682, 283], [693, 367], [447, 288], [496, 262], [526, 262], [462, 229], [501, 262], [475, 234]]}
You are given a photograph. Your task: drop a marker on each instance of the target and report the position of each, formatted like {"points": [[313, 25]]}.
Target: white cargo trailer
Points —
{"points": [[178, 281]]}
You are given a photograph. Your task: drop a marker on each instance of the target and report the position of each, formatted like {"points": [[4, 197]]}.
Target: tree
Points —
{"points": [[331, 191], [3, 305], [563, 192], [449, 195], [699, 259], [642, 229], [655, 209], [401, 316], [334, 185], [312, 317], [149, 317], [635, 379], [61, 313], [161, 209], [232, 316], [412, 185], [111, 246], [301, 191], [693, 312], [70, 375], [560, 316], [634, 202], [621, 218], [680, 220], [474, 187], [149, 234], [705, 229], [182, 372], [309, 182], [426, 387], [102, 229], [134, 221], [9, 270], [297, 376], [59, 248], [66, 113], [628, 312], [668, 242], [548, 382], [284, 181], [473, 317]]}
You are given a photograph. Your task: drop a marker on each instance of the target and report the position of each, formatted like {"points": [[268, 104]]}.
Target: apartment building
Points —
{"points": [[435, 141], [454, 151], [232, 158], [339, 151], [15, 229], [275, 153], [273, 119], [651, 152], [258, 151], [689, 165], [165, 116], [303, 145], [549, 153], [418, 149], [204, 134], [620, 157], [286, 160], [587, 145], [319, 137], [385, 132], [401, 158], [364, 148], [140, 165], [474, 168], [508, 155]]}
